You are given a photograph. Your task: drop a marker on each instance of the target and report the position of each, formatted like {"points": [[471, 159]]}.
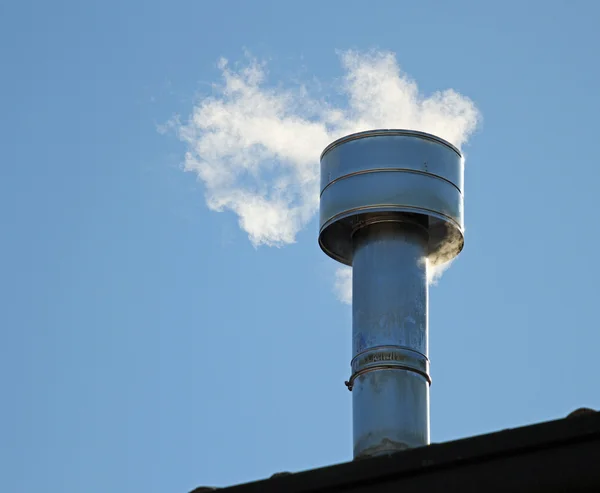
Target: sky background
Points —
{"points": [[147, 346]]}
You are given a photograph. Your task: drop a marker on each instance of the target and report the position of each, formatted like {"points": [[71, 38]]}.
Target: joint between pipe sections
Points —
{"points": [[401, 353], [388, 358], [389, 366]]}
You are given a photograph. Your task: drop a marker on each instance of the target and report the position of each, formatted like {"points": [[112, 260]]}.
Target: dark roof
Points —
{"points": [[556, 456]]}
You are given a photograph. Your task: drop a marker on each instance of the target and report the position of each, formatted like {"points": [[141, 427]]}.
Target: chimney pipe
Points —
{"points": [[391, 207]]}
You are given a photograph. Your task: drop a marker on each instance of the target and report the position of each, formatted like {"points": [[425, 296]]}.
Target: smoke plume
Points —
{"points": [[256, 145]]}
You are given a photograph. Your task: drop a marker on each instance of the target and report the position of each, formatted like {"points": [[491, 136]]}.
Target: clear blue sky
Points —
{"points": [[147, 346]]}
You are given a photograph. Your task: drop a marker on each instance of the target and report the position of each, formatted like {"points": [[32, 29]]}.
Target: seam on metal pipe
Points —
{"points": [[387, 346], [407, 221], [350, 383], [405, 208], [381, 170]]}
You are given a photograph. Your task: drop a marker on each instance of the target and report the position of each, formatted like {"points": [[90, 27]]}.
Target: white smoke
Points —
{"points": [[343, 284], [256, 146]]}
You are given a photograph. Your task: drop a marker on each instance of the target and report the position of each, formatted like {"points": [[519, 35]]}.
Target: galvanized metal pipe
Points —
{"points": [[390, 199], [390, 370]]}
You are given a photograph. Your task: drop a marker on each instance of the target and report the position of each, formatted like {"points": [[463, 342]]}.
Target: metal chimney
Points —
{"points": [[391, 207]]}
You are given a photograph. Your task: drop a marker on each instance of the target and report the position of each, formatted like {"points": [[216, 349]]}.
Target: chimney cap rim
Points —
{"points": [[389, 132]]}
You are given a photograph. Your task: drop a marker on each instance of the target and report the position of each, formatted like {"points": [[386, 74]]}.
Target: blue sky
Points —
{"points": [[148, 346]]}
